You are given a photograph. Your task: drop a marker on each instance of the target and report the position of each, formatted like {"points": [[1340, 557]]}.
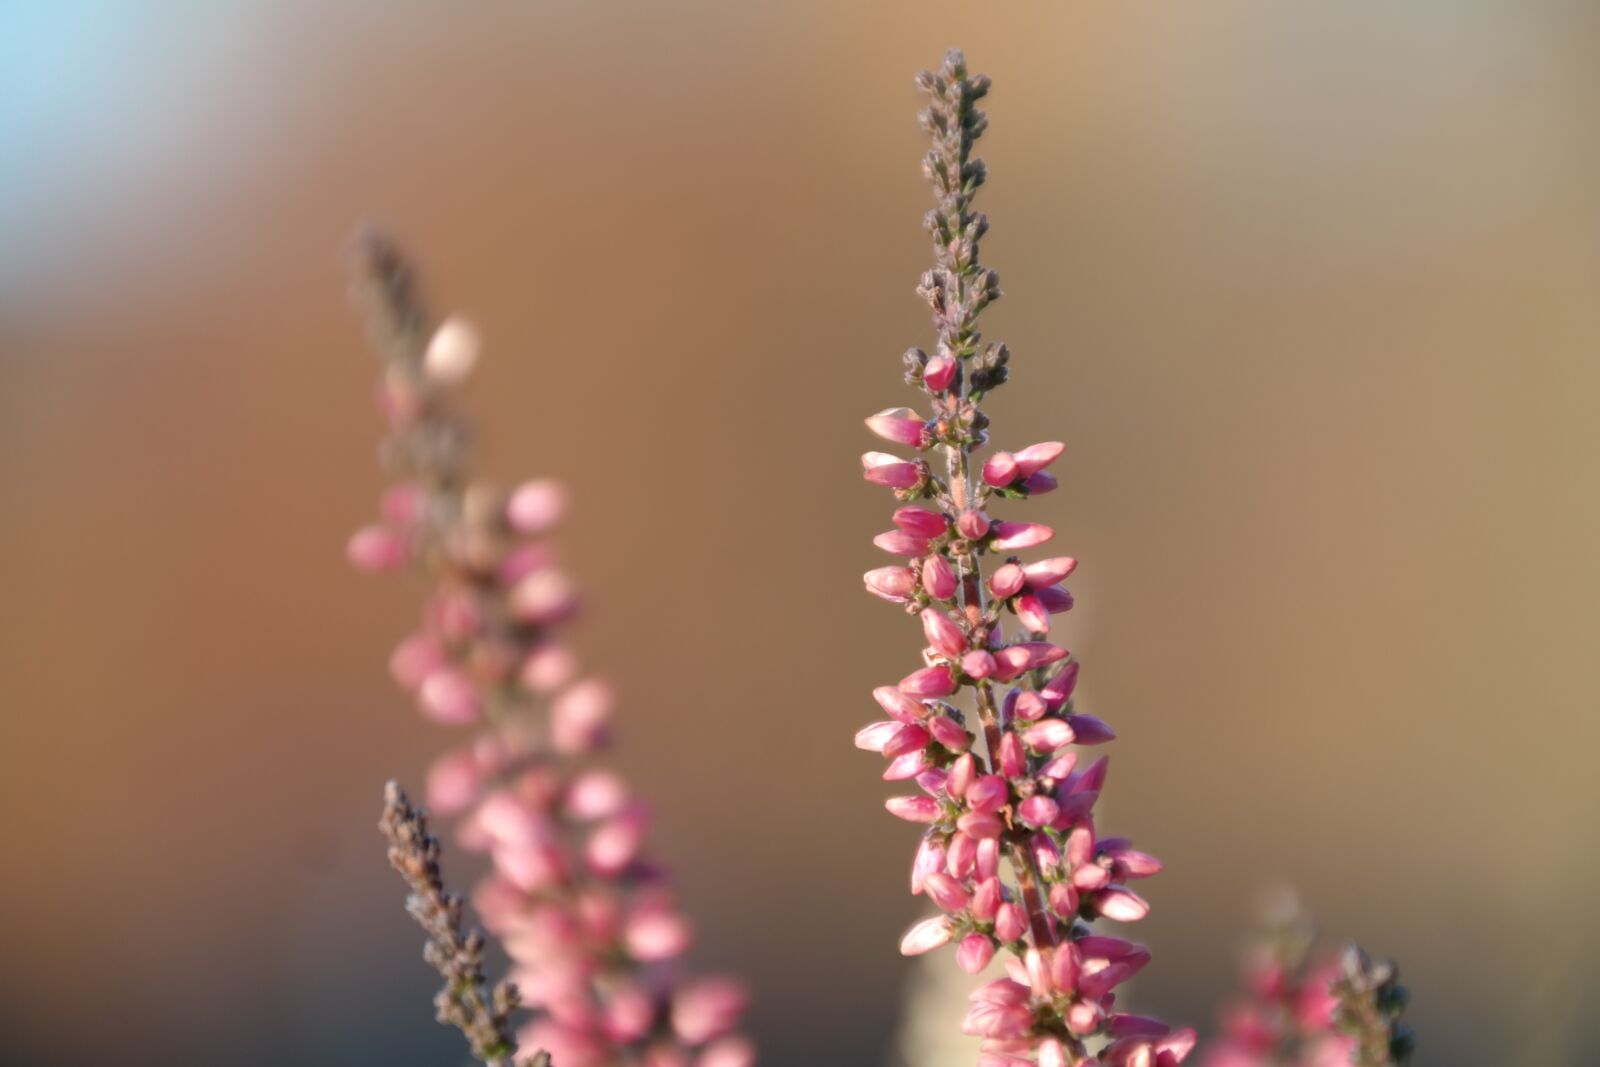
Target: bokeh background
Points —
{"points": [[1309, 289]]}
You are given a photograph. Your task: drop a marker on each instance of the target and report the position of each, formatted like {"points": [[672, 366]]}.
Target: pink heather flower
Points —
{"points": [[580, 909], [880, 468], [1016, 799], [894, 584], [901, 543], [379, 549], [902, 426], [536, 506]]}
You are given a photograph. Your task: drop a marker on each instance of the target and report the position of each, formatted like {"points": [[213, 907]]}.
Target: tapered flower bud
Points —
{"points": [[901, 543], [1059, 689], [906, 738], [1013, 761], [981, 825], [1047, 572], [988, 793], [986, 898], [544, 597], [1091, 730], [873, 738], [938, 373], [1025, 656], [902, 426], [949, 733], [926, 936], [1037, 810], [1029, 706], [963, 771], [1120, 904], [1038, 457], [536, 506], [913, 808], [1063, 900], [707, 1009], [1015, 536], [454, 782], [1048, 735], [975, 952], [1007, 581], [657, 932], [1000, 470], [579, 717], [977, 664], [880, 468], [943, 635], [453, 351], [929, 683], [1039, 483], [938, 578], [595, 794], [930, 857], [920, 521], [900, 705], [1055, 599], [448, 696], [1032, 614], [894, 584], [414, 659], [973, 525], [945, 892], [1010, 923], [378, 549]]}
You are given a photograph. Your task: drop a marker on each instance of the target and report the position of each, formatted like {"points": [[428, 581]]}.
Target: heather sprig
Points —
{"points": [[1011, 855], [1370, 1002], [586, 917]]}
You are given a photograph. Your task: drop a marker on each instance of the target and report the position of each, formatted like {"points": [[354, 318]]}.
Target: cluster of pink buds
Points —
{"points": [[588, 921], [1011, 856]]}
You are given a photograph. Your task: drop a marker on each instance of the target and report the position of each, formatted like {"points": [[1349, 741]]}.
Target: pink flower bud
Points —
{"points": [[1032, 614], [913, 808], [548, 667], [988, 793], [1026, 656], [938, 373], [544, 597], [414, 659], [973, 525], [615, 844], [1047, 572], [1038, 457], [906, 738], [449, 697], [523, 561], [378, 549], [980, 824], [1029, 706], [1059, 689], [404, 505], [873, 738], [1048, 735], [880, 468], [962, 855], [986, 897], [906, 765], [1063, 900], [930, 857], [1037, 811], [536, 506], [1040, 483], [926, 936], [920, 521], [1007, 581], [452, 352], [1013, 761], [1010, 923], [943, 635], [1091, 730], [1055, 599], [899, 705], [945, 892], [1053, 1053], [656, 932], [580, 715], [1000, 470], [1016, 536], [1090, 876], [894, 584], [595, 795], [974, 952], [628, 1014], [901, 543], [454, 782], [707, 1009], [902, 426], [949, 733], [929, 683], [938, 578], [988, 862], [1120, 904], [977, 664], [727, 1052]]}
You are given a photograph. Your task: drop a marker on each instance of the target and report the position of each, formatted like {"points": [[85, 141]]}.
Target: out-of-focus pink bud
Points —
{"points": [[880, 468], [523, 561], [454, 782], [913, 808], [949, 733], [1047, 572], [986, 896], [547, 668], [1000, 470], [1045, 854], [1083, 1017], [930, 857], [1029, 706], [595, 795], [962, 855], [580, 715], [980, 824], [615, 844], [932, 780], [628, 1014], [894, 584], [1053, 1053], [943, 635], [963, 771], [1016, 536], [448, 696], [902, 426], [973, 525], [988, 792], [920, 521], [1038, 457], [1010, 923], [929, 683], [536, 506], [974, 952], [1048, 735], [414, 659], [1090, 876], [1120, 904], [938, 373], [938, 578], [1013, 761], [378, 549], [404, 505], [1032, 614], [452, 351], [707, 1009], [901, 543], [926, 936], [1091, 730], [1006, 581], [1037, 811], [544, 597], [900, 706], [1063, 900], [727, 1052], [656, 932], [977, 664], [1080, 845], [945, 892]]}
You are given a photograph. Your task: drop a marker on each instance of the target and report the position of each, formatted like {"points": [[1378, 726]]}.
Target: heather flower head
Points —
{"points": [[986, 728], [587, 918], [1370, 1000]]}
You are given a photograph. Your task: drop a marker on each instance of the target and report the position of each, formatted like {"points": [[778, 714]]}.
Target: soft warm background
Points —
{"points": [[1310, 290]]}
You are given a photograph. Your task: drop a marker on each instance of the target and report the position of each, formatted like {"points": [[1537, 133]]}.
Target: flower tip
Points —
{"points": [[453, 351]]}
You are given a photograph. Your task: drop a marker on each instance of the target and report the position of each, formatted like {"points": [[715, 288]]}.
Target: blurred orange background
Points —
{"points": [[1309, 290]]}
